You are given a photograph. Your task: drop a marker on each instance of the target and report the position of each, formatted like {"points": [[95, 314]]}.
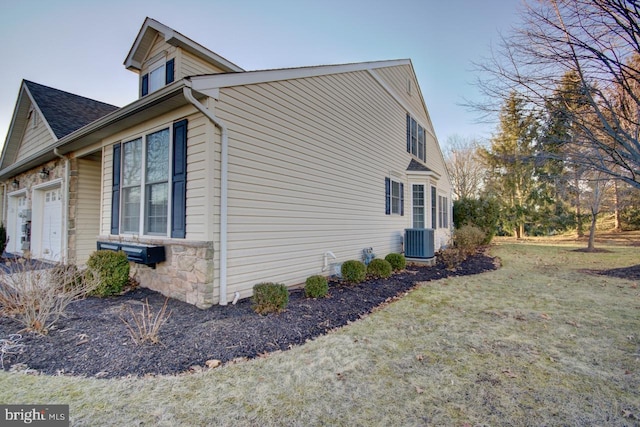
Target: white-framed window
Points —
{"points": [[394, 194], [443, 212], [417, 197], [145, 184], [396, 198], [434, 207], [157, 75], [416, 139], [131, 179]]}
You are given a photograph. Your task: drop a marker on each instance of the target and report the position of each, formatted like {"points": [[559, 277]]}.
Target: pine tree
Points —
{"points": [[510, 163]]}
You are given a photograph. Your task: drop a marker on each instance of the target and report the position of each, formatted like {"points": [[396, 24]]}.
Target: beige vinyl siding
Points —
{"points": [[397, 78], [199, 171], [191, 65], [88, 209], [186, 64], [107, 184], [200, 179], [158, 48], [306, 175], [34, 139]]}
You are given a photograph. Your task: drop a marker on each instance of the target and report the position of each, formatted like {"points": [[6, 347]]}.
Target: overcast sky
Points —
{"points": [[79, 45]]}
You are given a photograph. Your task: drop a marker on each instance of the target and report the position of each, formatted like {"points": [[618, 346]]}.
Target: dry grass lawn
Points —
{"points": [[537, 342]]}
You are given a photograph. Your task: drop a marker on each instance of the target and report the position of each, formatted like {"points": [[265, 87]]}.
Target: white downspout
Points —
{"points": [[224, 149], [65, 212]]}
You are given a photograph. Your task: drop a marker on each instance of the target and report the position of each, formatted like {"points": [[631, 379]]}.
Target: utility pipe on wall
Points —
{"points": [[223, 186]]}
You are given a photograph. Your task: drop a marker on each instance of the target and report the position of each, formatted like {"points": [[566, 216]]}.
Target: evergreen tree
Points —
{"points": [[510, 163]]}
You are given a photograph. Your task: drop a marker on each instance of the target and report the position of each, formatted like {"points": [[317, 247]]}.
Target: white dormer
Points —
{"points": [[161, 55]]}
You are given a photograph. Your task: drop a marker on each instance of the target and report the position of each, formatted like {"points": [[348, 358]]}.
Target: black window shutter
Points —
{"points": [[408, 133], [169, 71], [145, 84], [387, 195], [401, 199], [179, 180], [115, 191]]}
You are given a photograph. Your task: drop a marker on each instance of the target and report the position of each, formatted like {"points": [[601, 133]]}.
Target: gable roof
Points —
{"points": [[64, 111], [150, 28]]}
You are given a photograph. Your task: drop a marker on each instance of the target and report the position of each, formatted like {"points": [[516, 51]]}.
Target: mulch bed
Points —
{"points": [[630, 273], [93, 340]]}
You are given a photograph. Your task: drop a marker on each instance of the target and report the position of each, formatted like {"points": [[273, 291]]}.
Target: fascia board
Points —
{"points": [[110, 119], [217, 81]]}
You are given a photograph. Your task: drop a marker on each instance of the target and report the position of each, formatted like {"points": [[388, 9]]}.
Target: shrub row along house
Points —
{"points": [[217, 178]]}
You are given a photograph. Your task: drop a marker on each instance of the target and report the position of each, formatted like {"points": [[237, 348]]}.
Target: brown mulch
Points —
{"points": [[93, 339]]}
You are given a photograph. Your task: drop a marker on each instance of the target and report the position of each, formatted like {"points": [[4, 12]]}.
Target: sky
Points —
{"points": [[79, 46]]}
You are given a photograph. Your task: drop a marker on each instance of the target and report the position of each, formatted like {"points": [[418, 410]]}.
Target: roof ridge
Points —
{"points": [[28, 82], [64, 111]]}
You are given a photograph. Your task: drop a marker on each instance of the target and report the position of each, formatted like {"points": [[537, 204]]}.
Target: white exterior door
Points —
{"points": [[51, 240], [16, 228]]}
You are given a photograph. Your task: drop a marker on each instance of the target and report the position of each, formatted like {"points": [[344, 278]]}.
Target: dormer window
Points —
{"points": [[160, 74], [157, 76]]}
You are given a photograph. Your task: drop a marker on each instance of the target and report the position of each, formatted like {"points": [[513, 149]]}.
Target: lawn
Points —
{"points": [[538, 342]]}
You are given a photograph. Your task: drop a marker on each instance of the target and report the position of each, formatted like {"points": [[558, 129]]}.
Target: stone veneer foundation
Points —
{"points": [[186, 274]]}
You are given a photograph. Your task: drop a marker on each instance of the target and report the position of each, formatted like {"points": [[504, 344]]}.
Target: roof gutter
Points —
{"points": [[188, 94], [64, 145]]}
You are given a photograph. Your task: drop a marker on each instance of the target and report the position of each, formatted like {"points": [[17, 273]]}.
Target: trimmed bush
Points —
{"points": [[111, 269], [379, 268], [316, 287], [353, 271], [269, 298], [398, 261], [467, 238]]}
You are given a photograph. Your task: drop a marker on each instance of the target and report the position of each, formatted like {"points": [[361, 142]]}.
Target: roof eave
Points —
{"points": [[151, 27], [216, 81], [159, 102]]}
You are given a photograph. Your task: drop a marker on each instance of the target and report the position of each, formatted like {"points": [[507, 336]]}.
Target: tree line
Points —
{"points": [[565, 86]]}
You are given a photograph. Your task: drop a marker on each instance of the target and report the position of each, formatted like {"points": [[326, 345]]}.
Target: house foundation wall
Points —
{"points": [[187, 274]]}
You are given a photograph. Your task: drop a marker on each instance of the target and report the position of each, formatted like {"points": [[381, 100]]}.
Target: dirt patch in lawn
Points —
{"points": [[630, 273], [93, 340]]}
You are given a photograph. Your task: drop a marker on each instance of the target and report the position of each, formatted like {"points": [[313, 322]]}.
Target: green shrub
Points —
{"points": [[269, 298], [482, 213], [467, 238], [316, 287], [398, 261], [379, 268], [111, 269], [353, 271]]}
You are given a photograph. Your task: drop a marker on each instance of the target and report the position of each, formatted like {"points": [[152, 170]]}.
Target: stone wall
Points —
{"points": [[187, 274]]}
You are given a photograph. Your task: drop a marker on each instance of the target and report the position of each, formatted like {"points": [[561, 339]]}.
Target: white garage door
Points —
{"points": [[52, 225]]}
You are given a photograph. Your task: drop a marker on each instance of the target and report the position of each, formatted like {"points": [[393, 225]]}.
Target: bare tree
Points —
{"points": [[598, 41], [598, 184], [464, 166]]}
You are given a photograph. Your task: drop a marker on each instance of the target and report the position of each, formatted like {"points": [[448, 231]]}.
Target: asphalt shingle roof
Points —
{"points": [[416, 166], [64, 111]]}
